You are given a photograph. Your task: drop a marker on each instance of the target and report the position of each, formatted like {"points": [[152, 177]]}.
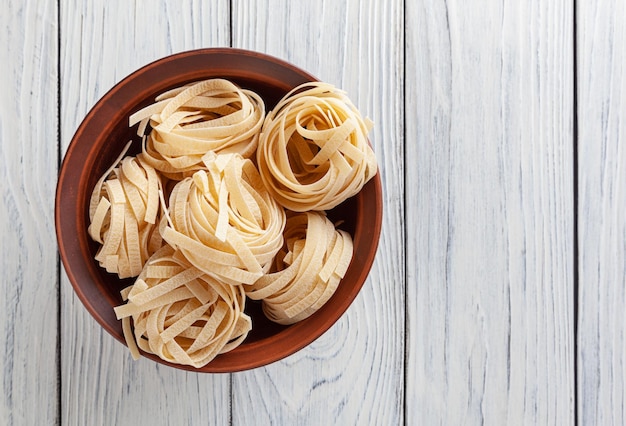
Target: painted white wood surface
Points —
{"points": [[101, 43], [28, 168], [353, 374], [601, 212], [486, 149], [489, 95]]}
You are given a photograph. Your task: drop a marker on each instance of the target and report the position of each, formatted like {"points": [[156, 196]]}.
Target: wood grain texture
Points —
{"points": [[28, 167], [484, 230], [101, 43], [489, 210], [353, 374], [601, 70]]}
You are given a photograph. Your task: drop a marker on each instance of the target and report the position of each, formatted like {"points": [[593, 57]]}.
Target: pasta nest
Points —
{"points": [[123, 210], [210, 115], [307, 270], [181, 314], [224, 221], [313, 150], [224, 233]]}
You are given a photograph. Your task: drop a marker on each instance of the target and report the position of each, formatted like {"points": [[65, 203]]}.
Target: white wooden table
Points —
{"points": [[498, 292]]}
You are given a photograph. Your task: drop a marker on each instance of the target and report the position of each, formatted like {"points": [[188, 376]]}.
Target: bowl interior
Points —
{"points": [[100, 139]]}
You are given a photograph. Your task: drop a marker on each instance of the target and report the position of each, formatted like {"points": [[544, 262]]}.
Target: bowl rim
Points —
{"points": [[247, 355]]}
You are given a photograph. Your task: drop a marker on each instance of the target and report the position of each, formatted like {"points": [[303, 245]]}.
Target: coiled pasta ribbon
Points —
{"points": [[313, 150], [224, 221], [181, 314], [308, 270], [123, 211], [224, 234], [210, 115]]}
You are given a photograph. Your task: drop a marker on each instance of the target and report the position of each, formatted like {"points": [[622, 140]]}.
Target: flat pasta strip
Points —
{"points": [[307, 270], [313, 150], [169, 321]]}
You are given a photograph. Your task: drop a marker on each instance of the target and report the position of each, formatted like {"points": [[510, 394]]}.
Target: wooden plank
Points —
{"points": [[101, 43], [353, 374], [28, 169], [601, 73], [489, 212]]}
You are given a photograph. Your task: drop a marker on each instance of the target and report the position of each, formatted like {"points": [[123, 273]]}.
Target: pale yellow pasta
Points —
{"points": [[224, 221], [307, 271], [124, 209], [188, 318], [313, 150], [223, 234], [210, 115]]}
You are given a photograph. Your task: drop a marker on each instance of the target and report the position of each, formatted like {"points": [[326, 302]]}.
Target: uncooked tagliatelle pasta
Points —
{"points": [[313, 151], [123, 212], [187, 122], [224, 221], [202, 228], [181, 314], [307, 271]]}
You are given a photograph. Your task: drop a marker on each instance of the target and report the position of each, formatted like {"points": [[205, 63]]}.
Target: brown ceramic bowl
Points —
{"points": [[99, 140]]}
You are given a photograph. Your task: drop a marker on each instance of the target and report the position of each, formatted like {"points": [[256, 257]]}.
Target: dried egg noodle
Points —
{"points": [[181, 314], [308, 271], [313, 151], [224, 221], [123, 211], [224, 234], [187, 122]]}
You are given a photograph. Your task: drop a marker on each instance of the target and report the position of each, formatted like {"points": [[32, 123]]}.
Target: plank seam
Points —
{"points": [[59, 383], [230, 23], [575, 206], [404, 211]]}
